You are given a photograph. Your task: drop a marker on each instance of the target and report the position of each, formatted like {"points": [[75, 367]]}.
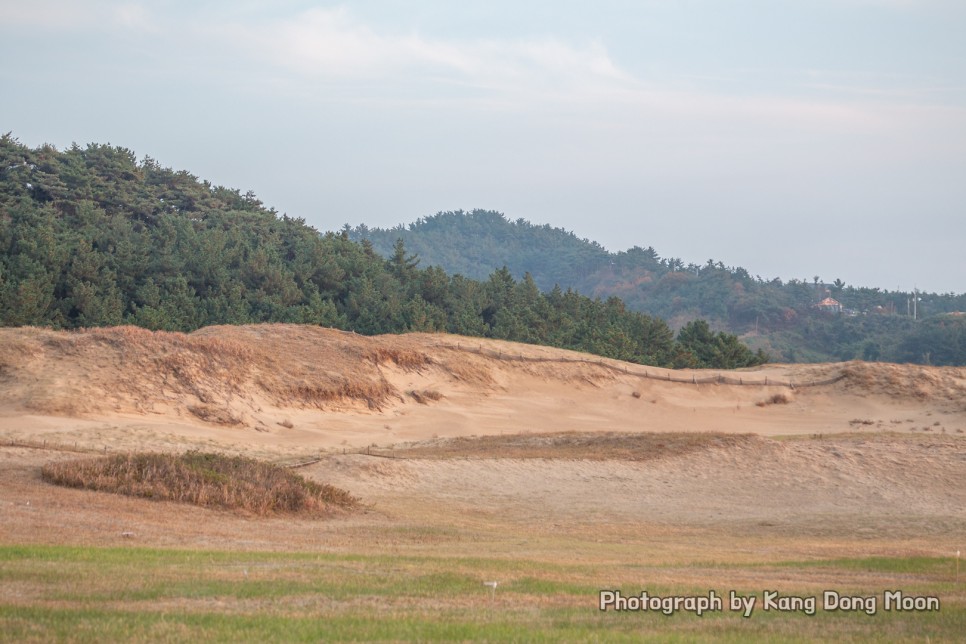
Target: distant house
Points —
{"points": [[830, 305]]}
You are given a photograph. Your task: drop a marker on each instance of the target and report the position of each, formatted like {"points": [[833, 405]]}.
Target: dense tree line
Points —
{"points": [[91, 236], [778, 317]]}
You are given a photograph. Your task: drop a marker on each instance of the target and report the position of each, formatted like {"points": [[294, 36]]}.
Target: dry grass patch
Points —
{"points": [[595, 446], [374, 392], [216, 415], [907, 380], [777, 399], [212, 480], [409, 360], [426, 396]]}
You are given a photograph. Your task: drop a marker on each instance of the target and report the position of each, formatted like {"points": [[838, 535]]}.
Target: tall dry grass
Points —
{"points": [[206, 479]]}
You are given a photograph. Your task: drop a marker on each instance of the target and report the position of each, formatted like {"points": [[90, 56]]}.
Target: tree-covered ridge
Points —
{"points": [[91, 236], [476, 243], [779, 317]]}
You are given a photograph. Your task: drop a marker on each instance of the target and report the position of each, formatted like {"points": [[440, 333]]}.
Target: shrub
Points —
{"points": [[206, 479], [777, 399]]}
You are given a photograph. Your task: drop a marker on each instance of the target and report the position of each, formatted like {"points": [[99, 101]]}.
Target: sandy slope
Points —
{"points": [[287, 389], [875, 461]]}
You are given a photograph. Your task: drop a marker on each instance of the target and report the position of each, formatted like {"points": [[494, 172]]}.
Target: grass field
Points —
{"points": [[56, 593]]}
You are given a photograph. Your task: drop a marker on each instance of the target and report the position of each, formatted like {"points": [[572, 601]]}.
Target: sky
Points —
{"points": [[794, 138]]}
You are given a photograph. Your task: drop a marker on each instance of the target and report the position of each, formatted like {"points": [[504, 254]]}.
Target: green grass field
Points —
{"points": [[55, 593]]}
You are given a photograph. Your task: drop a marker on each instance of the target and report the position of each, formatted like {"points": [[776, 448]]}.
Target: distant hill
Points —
{"points": [[780, 317], [474, 244]]}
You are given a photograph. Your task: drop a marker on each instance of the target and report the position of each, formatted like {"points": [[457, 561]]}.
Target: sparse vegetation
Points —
{"points": [[206, 479], [776, 399], [217, 415], [409, 360], [138, 594], [594, 446], [426, 396]]}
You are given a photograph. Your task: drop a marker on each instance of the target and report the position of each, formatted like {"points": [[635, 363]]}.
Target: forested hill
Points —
{"points": [[91, 236], [476, 243], [779, 317]]}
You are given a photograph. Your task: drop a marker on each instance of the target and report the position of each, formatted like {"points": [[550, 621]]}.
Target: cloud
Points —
{"points": [[331, 49], [332, 44]]}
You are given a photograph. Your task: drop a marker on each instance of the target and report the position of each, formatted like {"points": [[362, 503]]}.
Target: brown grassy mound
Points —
{"points": [[591, 446], [205, 479]]}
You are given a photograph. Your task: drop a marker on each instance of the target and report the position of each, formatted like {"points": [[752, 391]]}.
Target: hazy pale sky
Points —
{"points": [[792, 137]]}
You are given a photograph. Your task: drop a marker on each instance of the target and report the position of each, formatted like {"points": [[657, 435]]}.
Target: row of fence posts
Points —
{"points": [[694, 379]]}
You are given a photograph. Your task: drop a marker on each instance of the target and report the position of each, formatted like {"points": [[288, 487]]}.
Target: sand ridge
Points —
{"points": [[289, 389]]}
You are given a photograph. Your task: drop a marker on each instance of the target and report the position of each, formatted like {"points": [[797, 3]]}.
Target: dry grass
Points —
{"points": [[409, 360], [318, 394], [777, 399], [593, 446], [215, 374], [425, 396], [215, 415], [204, 479], [907, 380]]}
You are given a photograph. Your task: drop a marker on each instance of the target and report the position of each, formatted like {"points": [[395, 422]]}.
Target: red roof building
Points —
{"points": [[830, 305]]}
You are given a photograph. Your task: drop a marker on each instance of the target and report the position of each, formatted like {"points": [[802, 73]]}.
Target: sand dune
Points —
{"points": [[494, 443], [289, 389]]}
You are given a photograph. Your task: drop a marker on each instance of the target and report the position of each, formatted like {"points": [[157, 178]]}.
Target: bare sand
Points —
{"points": [[874, 462]]}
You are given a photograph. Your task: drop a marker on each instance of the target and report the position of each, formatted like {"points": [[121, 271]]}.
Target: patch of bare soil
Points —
{"points": [[843, 486]]}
